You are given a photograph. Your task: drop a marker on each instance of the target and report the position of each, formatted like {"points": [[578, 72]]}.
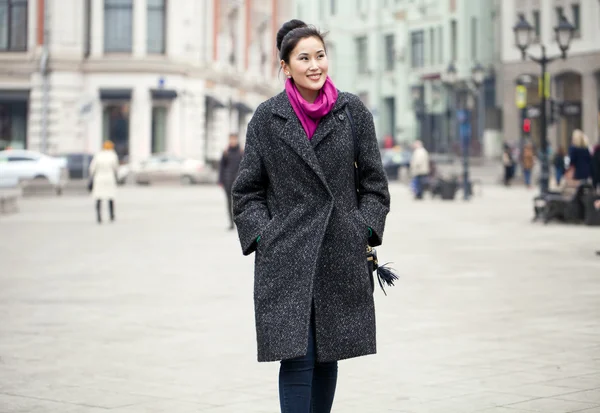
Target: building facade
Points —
{"points": [[394, 54], [153, 76], [575, 81]]}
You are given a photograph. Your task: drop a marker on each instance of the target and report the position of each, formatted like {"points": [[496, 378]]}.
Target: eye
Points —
{"points": [[304, 58]]}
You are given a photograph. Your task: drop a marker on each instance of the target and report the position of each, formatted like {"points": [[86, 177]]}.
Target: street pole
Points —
{"points": [[466, 144], [545, 178], [45, 81], [523, 36]]}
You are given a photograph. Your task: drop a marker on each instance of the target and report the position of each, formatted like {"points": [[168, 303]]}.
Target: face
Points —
{"points": [[308, 67], [233, 140]]}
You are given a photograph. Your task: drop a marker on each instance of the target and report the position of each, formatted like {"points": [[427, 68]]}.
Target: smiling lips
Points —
{"points": [[315, 77]]}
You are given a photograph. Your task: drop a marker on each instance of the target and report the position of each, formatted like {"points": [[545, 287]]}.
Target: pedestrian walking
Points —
{"points": [[528, 162], [103, 173], [419, 167], [559, 164], [228, 169], [509, 164], [580, 159], [295, 205]]}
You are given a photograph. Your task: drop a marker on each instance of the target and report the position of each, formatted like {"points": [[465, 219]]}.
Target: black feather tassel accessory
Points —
{"points": [[385, 274]]}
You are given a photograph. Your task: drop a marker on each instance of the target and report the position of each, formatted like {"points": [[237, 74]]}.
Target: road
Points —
{"points": [[153, 313]]}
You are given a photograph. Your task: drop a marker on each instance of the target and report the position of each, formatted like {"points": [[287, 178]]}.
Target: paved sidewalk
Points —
{"points": [[154, 312]]}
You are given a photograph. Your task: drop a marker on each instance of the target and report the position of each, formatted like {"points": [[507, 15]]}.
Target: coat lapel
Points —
{"points": [[293, 134], [329, 123]]}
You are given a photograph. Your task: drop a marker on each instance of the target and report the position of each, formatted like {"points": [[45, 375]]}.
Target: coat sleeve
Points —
{"points": [[374, 199], [249, 193]]}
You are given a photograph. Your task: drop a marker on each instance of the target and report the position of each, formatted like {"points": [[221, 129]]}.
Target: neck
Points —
{"points": [[307, 94]]}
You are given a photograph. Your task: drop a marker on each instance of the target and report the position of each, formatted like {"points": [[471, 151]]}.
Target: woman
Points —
{"points": [[295, 205], [528, 161], [103, 170], [580, 158]]}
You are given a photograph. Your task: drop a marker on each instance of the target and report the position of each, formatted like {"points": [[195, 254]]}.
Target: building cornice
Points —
{"points": [[23, 65]]}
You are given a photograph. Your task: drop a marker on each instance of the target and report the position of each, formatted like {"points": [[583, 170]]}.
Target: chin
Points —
{"points": [[314, 86]]}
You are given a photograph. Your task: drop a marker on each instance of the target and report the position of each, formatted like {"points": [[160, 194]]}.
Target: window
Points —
{"points": [[332, 7], [118, 25], [159, 129], [13, 125], [431, 46], [576, 18], [536, 24], [13, 25], [156, 26], [115, 127], [87, 30], [453, 39], [21, 159], [361, 53], [474, 38], [389, 52], [417, 45]]}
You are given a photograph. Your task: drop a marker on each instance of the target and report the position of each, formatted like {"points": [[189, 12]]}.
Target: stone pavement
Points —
{"points": [[154, 312]]}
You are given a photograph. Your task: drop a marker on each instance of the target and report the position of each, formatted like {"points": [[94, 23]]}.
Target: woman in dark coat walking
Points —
{"points": [[295, 205]]}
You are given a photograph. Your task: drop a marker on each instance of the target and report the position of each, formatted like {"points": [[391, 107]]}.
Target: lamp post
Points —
{"points": [[449, 80], [523, 36]]}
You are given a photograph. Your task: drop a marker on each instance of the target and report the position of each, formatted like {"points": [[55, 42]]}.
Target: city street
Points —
{"points": [[154, 313]]}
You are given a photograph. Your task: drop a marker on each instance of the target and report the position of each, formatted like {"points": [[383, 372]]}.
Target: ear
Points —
{"points": [[285, 68]]}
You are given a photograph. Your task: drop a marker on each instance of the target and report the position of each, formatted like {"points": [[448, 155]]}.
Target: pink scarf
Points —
{"points": [[311, 113]]}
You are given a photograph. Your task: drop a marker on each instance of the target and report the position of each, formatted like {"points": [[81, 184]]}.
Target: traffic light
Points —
{"points": [[526, 125]]}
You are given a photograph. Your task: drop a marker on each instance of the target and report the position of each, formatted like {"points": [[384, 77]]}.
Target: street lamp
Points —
{"points": [[478, 74], [449, 80], [523, 37]]}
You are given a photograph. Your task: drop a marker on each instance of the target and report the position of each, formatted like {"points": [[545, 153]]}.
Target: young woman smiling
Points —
{"points": [[295, 204]]}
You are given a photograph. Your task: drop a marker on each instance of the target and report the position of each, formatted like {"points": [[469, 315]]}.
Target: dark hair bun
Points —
{"points": [[286, 28]]}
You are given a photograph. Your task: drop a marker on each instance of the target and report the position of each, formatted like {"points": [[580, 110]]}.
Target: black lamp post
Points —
{"points": [[450, 79], [523, 36]]}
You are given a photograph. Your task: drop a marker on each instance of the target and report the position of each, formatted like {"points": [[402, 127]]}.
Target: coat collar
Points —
{"points": [[294, 135]]}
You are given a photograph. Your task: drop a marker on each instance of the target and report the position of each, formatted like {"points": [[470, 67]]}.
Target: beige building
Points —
{"points": [[575, 81], [151, 75]]}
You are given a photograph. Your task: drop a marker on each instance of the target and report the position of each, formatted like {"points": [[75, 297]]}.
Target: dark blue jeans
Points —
{"points": [[306, 386]]}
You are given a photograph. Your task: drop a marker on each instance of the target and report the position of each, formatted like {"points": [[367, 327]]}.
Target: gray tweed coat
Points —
{"points": [[299, 197]]}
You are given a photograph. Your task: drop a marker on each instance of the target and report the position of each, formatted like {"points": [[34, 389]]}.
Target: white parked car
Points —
{"points": [[18, 165], [171, 168]]}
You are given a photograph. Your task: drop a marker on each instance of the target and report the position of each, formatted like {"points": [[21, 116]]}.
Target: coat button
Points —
{"points": [[341, 116]]}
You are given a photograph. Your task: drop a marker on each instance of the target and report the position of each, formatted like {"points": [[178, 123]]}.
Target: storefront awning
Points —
{"points": [[163, 94], [115, 94], [213, 103], [14, 95], [242, 108]]}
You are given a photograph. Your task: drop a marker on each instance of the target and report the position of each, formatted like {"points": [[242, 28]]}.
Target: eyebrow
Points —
{"points": [[305, 53]]}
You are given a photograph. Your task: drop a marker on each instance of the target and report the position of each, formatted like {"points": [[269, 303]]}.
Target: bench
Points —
{"points": [[566, 205]]}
